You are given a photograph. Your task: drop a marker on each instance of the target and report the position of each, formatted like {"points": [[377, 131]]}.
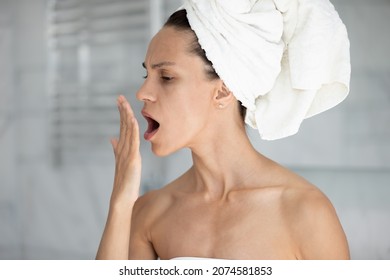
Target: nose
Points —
{"points": [[145, 93]]}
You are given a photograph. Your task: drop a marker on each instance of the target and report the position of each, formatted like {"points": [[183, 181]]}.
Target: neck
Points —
{"points": [[222, 163]]}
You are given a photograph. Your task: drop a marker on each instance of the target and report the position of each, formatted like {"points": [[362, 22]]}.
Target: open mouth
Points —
{"points": [[153, 127]]}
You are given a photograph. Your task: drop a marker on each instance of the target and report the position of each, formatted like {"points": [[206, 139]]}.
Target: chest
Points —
{"points": [[235, 230]]}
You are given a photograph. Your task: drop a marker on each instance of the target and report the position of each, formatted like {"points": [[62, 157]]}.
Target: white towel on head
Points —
{"points": [[285, 60]]}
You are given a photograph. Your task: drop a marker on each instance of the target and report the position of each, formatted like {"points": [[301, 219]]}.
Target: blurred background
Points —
{"points": [[62, 64]]}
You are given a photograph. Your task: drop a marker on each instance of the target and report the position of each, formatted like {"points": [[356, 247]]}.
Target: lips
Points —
{"points": [[153, 126]]}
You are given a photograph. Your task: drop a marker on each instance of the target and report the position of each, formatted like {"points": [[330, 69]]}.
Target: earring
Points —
{"points": [[220, 105]]}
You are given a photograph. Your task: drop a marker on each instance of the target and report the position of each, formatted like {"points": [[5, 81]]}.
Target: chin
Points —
{"points": [[161, 151]]}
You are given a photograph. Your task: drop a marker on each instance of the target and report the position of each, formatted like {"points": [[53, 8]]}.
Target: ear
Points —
{"points": [[223, 96]]}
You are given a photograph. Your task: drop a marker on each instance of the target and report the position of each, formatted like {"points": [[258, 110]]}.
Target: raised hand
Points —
{"points": [[116, 236], [127, 157]]}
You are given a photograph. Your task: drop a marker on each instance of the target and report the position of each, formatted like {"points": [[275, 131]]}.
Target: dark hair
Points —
{"points": [[179, 21]]}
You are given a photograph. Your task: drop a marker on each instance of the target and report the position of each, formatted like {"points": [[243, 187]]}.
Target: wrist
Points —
{"points": [[121, 206]]}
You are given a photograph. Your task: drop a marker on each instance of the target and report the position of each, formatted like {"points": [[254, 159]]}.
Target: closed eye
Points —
{"points": [[167, 78]]}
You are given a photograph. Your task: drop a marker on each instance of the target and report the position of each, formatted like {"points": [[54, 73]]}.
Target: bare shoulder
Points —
{"points": [[152, 203], [156, 202], [146, 211], [313, 222]]}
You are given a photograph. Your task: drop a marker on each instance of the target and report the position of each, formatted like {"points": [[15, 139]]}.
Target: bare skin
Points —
{"points": [[233, 203]]}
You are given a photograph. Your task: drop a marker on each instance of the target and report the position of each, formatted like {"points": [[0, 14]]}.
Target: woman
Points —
{"points": [[233, 203]]}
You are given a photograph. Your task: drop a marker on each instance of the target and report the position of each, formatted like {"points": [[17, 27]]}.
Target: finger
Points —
{"points": [[122, 125], [114, 144], [135, 136], [128, 107], [128, 116], [128, 134], [127, 112]]}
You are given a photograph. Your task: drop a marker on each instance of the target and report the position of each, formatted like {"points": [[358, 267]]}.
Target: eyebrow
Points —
{"points": [[160, 64]]}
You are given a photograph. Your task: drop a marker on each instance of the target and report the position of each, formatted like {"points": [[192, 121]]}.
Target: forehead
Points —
{"points": [[169, 43]]}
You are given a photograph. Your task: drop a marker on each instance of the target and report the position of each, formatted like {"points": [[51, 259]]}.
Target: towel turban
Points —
{"points": [[285, 60]]}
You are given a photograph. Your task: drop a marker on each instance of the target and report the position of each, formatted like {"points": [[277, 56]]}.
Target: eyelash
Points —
{"points": [[164, 78]]}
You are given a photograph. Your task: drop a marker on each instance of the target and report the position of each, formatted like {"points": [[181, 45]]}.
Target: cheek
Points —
{"points": [[184, 120], [193, 113], [186, 110], [199, 100], [189, 104]]}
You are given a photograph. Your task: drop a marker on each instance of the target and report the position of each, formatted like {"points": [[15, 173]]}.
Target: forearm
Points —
{"points": [[114, 244]]}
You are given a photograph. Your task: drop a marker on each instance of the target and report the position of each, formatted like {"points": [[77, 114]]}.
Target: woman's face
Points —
{"points": [[177, 96]]}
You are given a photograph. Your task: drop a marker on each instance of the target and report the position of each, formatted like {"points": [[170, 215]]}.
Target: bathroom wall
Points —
{"points": [[53, 209]]}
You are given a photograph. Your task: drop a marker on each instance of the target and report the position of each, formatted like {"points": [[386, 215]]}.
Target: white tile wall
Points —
{"points": [[58, 212], [361, 198]]}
